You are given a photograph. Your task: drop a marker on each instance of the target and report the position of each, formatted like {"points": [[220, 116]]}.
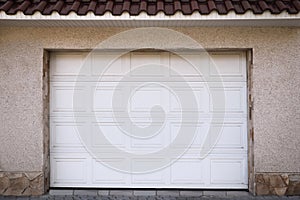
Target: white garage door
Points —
{"points": [[103, 108]]}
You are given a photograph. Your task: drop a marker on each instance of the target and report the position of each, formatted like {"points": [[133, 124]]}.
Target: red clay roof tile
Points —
{"points": [[151, 7]]}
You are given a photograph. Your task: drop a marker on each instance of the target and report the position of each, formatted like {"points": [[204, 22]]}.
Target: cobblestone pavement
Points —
{"points": [[148, 195]]}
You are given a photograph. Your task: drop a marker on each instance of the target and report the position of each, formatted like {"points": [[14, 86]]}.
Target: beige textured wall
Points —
{"points": [[276, 82]]}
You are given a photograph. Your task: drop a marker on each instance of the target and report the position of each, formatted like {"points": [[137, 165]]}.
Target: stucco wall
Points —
{"points": [[276, 83]]}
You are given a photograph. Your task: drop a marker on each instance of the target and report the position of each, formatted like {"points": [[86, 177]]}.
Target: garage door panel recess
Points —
{"points": [[102, 103]]}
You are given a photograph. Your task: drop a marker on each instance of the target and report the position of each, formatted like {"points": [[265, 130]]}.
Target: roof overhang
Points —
{"points": [[284, 19]]}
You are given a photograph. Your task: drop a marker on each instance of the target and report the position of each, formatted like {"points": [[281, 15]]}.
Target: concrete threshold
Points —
{"points": [[150, 192]]}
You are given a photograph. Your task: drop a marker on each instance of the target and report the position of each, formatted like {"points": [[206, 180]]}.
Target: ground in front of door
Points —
{"points": [[149, 195]]}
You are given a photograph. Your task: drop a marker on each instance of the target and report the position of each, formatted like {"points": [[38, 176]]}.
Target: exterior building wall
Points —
{"points": [[275, 90]]}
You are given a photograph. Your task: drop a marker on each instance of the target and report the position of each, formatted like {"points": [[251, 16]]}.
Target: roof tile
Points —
{"points": [[280, 5], [126, 6], [221, 8], [203, 8], [100, 9], [75, 6], [40, 6], [58, 6], [186, 8], [194, 5], [92, 6], [228, 5], [296, 4], [109, 6], [66, 9], [177, 6], [83, 9], [143, 6], [134, 9], [246, 5], [256, 9], [238, 8], [151, 7], [263, 5], [6, 5]]}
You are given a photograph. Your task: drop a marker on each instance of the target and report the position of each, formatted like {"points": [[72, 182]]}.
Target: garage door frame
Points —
{"points": [[46, 103]]}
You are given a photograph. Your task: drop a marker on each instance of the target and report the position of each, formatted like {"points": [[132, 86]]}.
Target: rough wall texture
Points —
{"points": [[276, 83]]}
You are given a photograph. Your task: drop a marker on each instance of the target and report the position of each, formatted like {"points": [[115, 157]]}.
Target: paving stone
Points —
{"points": [[77, 197], [214, 193], [167, 192], [144, 192], [294, 197], [38, 197], [238, 193], [86, 192], [121, 192], [270, 197], [103, 192], [182, 198], [61, 192], [195, 193], [203, 198], [284, 198], [68, 198], [21, 198], [86, 197], [148, 198], [163, 197], [241, 198], [46, 196], [104, 198], [143, 198]]}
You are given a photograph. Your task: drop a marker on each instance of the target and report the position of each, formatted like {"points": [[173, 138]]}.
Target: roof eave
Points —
{"points": [[125, 20]]}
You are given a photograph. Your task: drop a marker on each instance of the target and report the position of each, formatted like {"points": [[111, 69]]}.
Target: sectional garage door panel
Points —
{"points": [[89, 96], [111, 66], [96, 99], [80, 170], [65, 138]]}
